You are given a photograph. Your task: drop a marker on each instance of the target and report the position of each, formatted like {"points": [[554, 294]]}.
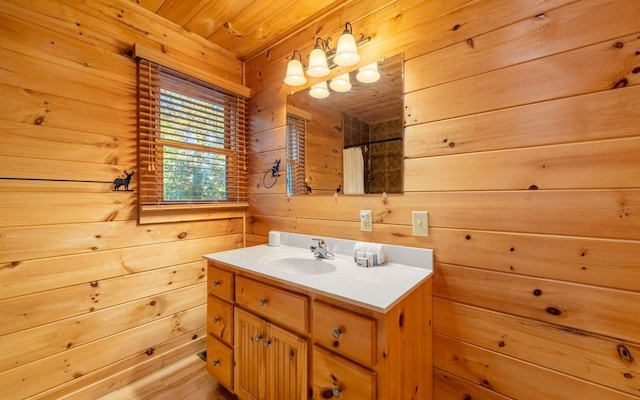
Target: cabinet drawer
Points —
{"points": [[221, 283], [220, 319], [334, 376], [349, 334], [220, 361], [277, 305]]}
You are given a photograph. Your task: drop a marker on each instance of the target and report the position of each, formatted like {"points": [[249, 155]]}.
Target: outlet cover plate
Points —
{"points": [[366, 220]]}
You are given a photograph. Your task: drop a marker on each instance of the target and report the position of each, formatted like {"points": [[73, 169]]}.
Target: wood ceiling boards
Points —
{"points": [[244, 27]]}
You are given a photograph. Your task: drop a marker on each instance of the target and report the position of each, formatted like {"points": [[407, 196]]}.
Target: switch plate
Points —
{"points": [[366, 220], [420, 222]]}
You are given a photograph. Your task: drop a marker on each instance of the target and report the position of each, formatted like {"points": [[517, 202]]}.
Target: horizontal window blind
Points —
{"points": [[295, 153], [191, 139]]}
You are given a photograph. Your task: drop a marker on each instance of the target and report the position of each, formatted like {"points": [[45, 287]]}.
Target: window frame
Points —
{"points": [[152, 78]]}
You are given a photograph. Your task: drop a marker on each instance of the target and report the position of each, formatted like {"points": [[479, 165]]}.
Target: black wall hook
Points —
{"points": [[275, 170]]}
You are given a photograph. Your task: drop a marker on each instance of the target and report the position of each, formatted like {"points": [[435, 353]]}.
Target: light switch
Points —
{"points": [[420, 222]]}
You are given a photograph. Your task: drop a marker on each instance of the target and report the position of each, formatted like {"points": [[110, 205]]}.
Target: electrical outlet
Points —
{"points": [[420, 222], [366, 220]]}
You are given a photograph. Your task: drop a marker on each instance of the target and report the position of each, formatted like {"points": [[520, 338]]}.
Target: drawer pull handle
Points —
{"points": [[262, 302], [215, 320], [215, 363], [257, 338], [216, 283], [329, 393], [266, 343], [336, 333]]}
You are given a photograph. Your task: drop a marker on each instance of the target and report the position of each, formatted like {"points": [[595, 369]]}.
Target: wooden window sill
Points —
{"points": [[162, 213]]}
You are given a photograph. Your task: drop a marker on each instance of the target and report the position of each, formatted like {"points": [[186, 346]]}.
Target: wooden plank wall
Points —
{"points": [[522, 141], [89, 299]]}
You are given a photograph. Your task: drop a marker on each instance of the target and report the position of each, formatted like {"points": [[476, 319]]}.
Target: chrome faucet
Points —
{"points": [[319, 249]]}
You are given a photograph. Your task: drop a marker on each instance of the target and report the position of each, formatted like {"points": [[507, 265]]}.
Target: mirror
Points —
{"points": [[349, 142]]}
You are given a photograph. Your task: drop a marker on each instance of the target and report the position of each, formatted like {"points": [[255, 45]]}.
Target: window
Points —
{"points": [[191, 140], [296, 132]]}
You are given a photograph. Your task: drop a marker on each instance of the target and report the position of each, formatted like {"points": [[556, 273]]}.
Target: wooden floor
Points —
{"points": [[186, 379]]}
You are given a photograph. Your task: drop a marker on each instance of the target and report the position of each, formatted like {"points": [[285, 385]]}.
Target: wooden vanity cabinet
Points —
{"points": [[291, 343]]}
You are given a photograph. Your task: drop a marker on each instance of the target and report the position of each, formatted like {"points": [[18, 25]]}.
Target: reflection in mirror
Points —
{"points": [[350, 142]]}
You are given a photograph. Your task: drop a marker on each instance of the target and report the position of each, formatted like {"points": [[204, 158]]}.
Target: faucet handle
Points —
{"points": [[318, 244]]}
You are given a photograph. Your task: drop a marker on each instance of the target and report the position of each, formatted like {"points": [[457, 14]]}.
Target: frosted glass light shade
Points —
{"points": [[368, 73], [319, 90], [341, 83], [318, 66], [346, 53], [295, 74]]}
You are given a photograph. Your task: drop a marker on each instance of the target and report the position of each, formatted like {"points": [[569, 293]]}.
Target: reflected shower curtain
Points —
{"points": [[353, 170]]}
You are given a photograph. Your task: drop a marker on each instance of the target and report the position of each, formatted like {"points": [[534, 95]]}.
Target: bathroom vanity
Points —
{"points": [[285, 325]]}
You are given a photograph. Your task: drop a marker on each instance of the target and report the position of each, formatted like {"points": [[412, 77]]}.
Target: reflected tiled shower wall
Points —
{"points": [[385, 158], [382, 151]]}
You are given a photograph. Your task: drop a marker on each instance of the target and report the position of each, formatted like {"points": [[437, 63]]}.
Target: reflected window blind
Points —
{"points": [[191, 139], [296, 133]]}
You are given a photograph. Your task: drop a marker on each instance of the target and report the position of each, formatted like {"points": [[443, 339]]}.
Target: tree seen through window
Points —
{"points": [[192, 133]]}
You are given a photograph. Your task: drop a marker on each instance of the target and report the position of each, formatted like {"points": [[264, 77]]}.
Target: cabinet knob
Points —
{"points": [[266, 343], [215, 363], [336, 333], [215, 320], [329, 393], [262, 302], [257, 338], [216, 283]]}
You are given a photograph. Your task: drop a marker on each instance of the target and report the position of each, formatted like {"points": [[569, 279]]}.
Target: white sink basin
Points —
{"points": [[299, 264]]}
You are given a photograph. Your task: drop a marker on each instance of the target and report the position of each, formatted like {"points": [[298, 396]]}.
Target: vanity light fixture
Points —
{"points": [[341, 83], [369, 73], [346, 53], [318, 65], [319, 90], [295, 74], [322, 58]]}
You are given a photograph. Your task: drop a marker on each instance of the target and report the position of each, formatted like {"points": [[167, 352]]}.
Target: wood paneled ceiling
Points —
{"points": [[244, 27]]}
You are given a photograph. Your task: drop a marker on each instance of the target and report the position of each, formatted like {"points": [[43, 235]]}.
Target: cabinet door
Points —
{"points": [[286, 356], [249, 356]]}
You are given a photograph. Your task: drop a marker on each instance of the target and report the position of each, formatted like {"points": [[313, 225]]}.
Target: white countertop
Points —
{"points": [[377, 288]]}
